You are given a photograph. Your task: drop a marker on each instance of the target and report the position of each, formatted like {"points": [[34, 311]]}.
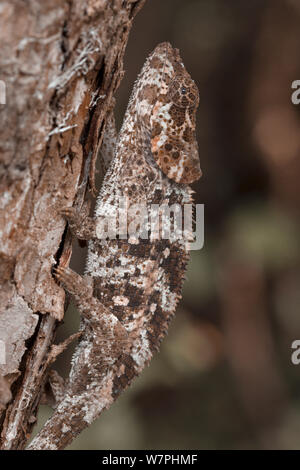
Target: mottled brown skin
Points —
{"points": [[131, 286]]}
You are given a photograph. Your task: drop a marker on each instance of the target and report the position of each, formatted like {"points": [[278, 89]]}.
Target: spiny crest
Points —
{"points": [[167, 103]]}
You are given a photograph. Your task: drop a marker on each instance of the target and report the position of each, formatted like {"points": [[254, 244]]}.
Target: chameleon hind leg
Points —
{"points": [[91, 309], [90, 386]]}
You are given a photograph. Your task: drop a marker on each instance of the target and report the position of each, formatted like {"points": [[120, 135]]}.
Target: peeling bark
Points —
{"points": [[58, 60]]}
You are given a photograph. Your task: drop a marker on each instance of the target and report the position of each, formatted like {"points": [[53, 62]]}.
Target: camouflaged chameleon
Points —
{"points": [[131, 287]]}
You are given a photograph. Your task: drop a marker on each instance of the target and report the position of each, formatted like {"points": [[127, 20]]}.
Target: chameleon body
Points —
{"points": [[132, 285]]}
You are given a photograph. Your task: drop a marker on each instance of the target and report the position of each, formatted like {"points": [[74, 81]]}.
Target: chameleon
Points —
{"points": [[131, 285]]}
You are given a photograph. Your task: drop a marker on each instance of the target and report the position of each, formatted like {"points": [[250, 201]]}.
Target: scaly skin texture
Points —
{"points": [[132, 285]]}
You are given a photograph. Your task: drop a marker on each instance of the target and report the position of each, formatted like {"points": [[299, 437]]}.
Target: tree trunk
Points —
{"points": [[61, 63]]}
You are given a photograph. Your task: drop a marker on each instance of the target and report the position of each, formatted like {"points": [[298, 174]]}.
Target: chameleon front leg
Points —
{"points": [[82, 226]]}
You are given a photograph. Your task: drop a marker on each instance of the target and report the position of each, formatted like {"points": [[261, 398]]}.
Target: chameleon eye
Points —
{"points": [[184, 93]]}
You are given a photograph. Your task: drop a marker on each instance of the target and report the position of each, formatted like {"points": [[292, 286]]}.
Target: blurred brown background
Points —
{"points": [[224, 377]]}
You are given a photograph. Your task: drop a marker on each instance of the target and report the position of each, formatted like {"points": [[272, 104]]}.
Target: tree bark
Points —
{"points": [[61, 63]]}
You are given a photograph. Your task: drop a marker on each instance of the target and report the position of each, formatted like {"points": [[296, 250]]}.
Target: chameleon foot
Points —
{"points": [[70, 280], [68, 213]]}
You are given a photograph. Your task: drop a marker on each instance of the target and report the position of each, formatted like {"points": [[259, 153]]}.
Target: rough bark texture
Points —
{"points": [[58, 59]]}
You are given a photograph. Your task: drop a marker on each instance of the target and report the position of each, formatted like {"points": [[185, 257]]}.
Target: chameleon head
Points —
{"points": [[173, 98]]}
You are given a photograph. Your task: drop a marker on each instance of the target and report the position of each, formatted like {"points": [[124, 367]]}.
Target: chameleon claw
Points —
{"points": [[67, 212], [70, 280], [62, 274]]}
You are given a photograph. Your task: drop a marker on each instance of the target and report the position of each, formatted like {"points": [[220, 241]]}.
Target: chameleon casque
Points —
{"points": [[131, 285]]}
